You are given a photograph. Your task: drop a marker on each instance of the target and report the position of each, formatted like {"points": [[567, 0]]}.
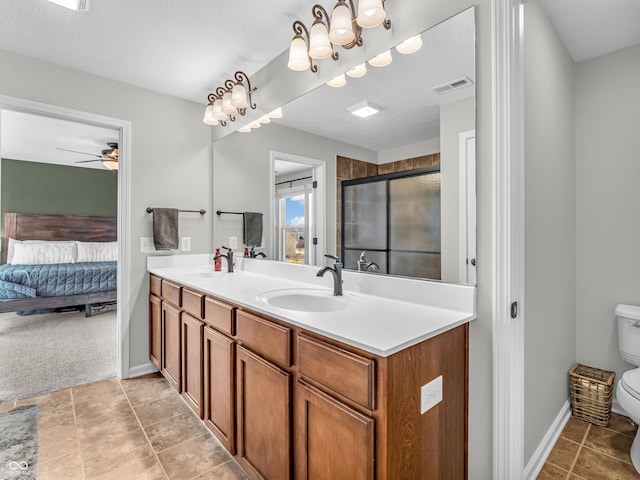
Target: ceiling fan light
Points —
{"points": [[370, 13], [298, 55], [358, 71], [337, 82], [217, 112], [276, 113], [264, 119], [341, 32], [239, 96], [110, 164], [410, 45], [381, 60], [226, 104], [319, 44], [209, 119]]}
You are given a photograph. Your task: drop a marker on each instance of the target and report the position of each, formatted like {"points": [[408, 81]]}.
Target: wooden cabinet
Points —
{"points": [[289, 403], [171, 345], [264, 417], [219, 387], [155, 331], [332, 440], [192, 336]]}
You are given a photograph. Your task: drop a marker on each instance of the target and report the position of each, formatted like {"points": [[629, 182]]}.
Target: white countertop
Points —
{"points": [[377, 323]]}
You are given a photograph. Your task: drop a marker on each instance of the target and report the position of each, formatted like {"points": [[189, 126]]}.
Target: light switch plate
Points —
{"points": [[185, 244], [233, 243], [146, 245], [430, 394]]}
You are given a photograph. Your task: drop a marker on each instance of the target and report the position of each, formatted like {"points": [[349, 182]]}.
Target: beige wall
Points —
{"points": [[550, 232], [170, 158], [608, 201]]}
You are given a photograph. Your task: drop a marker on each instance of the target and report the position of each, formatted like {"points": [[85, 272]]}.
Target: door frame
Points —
{"points": [[124, 198], [467, 206], [319, 175], [508, 239]]}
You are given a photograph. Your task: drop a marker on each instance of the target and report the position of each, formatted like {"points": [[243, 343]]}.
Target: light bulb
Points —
{"points": [[381, 60], [358, 71], [370, 13], [298, 55], [410, 45], [337, 82], [319, 45], [341, 32]]}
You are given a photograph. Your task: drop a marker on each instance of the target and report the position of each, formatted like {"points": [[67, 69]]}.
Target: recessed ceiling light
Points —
{"points": [[79, 5], [363, 109]]}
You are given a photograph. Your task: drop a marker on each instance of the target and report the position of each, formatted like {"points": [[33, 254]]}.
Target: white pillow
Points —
{"points": [[97, 252], [41, 253], [13, 242]]}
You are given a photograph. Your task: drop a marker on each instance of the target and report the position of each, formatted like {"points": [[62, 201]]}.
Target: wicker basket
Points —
{"points": [[591, 392]]}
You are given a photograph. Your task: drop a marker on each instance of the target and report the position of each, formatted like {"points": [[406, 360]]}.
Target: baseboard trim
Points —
{"points": [[541, 454], [144, 369]]}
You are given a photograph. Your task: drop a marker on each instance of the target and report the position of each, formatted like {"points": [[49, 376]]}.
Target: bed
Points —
{"points": [[57, 285]]}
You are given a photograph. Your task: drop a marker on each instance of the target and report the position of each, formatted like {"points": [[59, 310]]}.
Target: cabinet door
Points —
{"points": [[192, 331], [171, 329], [155, 331], [219, 387], [264, 417], [332, 440]]}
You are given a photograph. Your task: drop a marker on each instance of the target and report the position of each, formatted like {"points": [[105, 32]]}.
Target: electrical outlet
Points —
{"points": [[146, 245], [185, 244], [430, 394], [233, 243]]}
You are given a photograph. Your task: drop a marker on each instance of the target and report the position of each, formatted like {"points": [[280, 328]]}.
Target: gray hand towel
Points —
{"points": [[165, 228], [252, 231]]}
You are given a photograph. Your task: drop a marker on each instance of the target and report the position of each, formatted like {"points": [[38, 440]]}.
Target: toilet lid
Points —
{"points": [[631, 382]]}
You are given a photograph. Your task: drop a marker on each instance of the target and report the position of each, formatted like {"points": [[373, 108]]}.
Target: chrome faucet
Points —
{"points": [[254, 254], [228, 257], [365, 266], [336, 271]]}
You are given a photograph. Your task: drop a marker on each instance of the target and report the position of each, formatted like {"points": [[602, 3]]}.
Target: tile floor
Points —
{"points": [[586, 451], [121, 430]]}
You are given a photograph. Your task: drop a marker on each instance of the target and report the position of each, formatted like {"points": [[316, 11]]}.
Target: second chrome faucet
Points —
{"points": [[336, 272]]}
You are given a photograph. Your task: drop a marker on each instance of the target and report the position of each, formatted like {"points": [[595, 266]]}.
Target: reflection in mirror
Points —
{"points": [[425, 123]]}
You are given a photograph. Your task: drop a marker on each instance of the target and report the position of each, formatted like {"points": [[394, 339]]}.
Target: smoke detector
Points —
{"points": [[453, 85], [78, 5]]}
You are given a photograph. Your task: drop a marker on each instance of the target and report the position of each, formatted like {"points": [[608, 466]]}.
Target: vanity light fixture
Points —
{"points": [[228, 101], [358, 71], [363, 109], [343, 28], [78, 5], [381, 60], [275, 113], [410, 45], [263, 120], [337, 82]]}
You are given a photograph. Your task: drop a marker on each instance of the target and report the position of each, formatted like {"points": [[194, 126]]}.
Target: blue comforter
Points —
{"points": [[54, 280]]}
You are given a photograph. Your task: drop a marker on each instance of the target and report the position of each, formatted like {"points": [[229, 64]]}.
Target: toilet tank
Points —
{"points": [[629, 333]]}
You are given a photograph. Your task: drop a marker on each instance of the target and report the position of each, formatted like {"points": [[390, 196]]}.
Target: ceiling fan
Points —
{"points": [[108, 156]]}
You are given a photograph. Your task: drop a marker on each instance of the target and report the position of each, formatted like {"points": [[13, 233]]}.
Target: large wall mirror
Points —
{"points": [[399, 196]]}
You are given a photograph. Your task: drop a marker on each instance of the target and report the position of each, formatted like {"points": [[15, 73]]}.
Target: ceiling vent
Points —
{"points": [[453, 85]]}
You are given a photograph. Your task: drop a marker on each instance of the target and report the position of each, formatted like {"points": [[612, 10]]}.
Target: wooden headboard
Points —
{"points": [[26, 226]]}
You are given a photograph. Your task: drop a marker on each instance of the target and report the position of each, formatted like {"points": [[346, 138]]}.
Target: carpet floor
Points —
{"points": [[48, 352]]}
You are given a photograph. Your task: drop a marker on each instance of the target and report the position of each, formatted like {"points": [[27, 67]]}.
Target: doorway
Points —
{"points": [[298, 190], [123, 129]]}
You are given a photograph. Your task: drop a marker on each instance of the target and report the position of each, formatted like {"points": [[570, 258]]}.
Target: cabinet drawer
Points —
{"points": [[264, 337], [192, 303], [219, 315], [171, 293], [343, 372], [155, 285]]}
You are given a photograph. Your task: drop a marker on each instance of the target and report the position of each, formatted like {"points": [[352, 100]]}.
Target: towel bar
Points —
{"points": [[201, 212], [220, 212]]}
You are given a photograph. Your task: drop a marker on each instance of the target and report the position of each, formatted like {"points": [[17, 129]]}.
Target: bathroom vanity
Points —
{"points": [[326, 394]]}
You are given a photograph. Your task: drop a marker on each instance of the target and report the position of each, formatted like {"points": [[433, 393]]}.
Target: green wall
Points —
{"points": [[31, 187]]}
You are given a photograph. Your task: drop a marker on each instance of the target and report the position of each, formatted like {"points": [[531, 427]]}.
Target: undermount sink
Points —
{"points": [[304, 300]]}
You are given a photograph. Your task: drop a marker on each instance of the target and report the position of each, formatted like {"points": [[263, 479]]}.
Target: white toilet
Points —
{"points": [[628, 389]]}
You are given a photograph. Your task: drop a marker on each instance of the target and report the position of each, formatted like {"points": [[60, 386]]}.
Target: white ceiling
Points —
{"points": [[187, 47]]}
